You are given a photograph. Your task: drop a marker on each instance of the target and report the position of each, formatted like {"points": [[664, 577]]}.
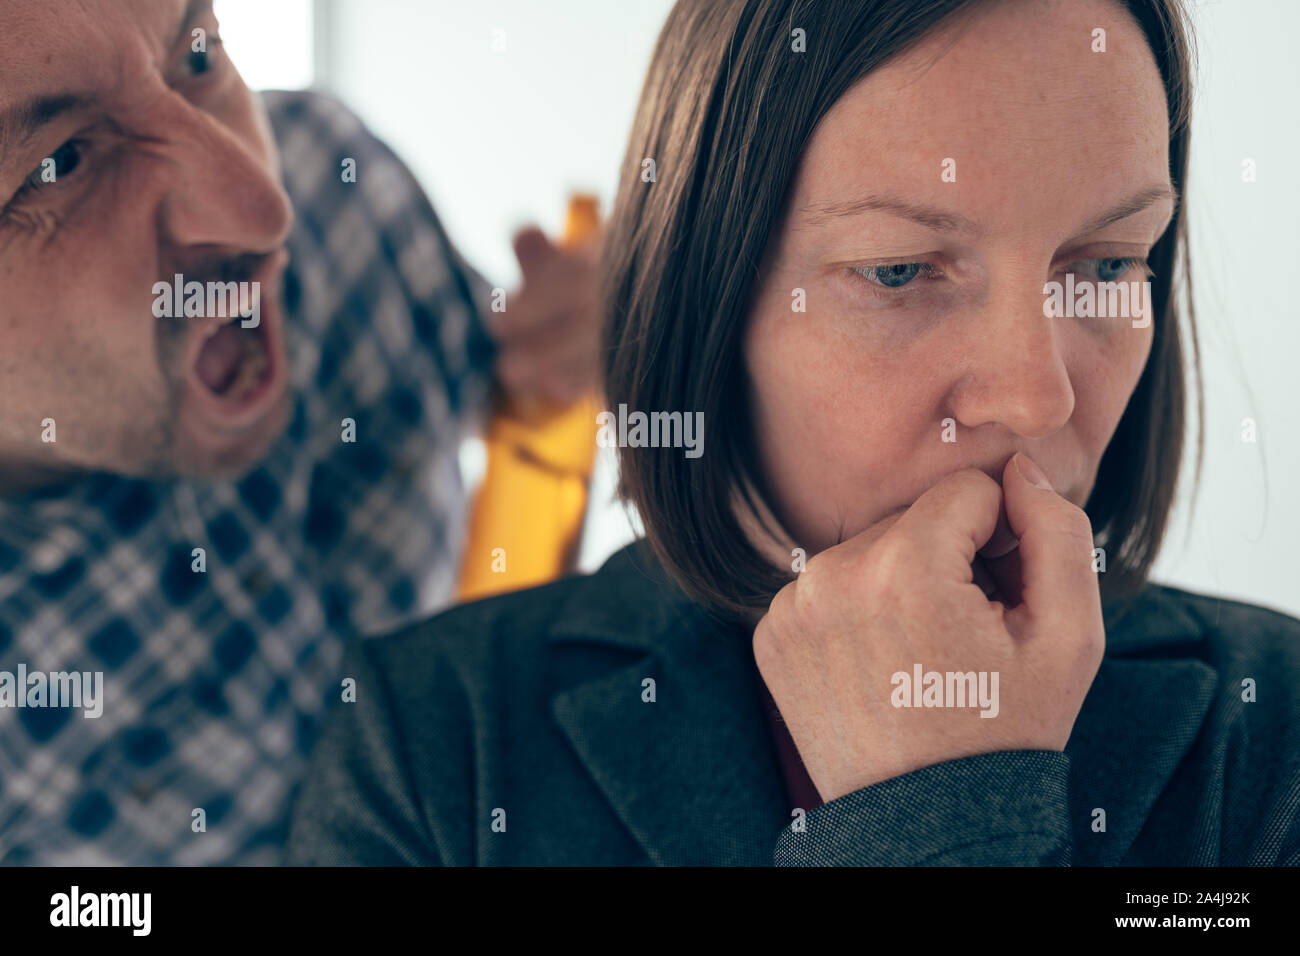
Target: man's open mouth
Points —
{"points": [[236, 364], [233, 361]]}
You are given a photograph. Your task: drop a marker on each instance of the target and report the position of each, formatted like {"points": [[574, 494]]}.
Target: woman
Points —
{"points": [[870, 243]]}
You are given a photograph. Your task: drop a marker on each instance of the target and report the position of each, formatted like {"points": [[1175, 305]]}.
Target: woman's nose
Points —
{"points": [[1011, 370]]}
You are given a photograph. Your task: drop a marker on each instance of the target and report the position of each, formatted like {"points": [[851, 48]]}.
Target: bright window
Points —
{"points": [[271, 43]]}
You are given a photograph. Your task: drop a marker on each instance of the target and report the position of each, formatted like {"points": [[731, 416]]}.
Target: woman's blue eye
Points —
{"points": [[1108, 270], [891, 277]]}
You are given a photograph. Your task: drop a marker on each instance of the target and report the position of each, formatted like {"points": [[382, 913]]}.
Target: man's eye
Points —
{"points": [[894, 276], [63, 161], [201, 61]]}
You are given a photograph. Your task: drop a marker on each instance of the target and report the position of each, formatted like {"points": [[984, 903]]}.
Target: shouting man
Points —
{"points": [[203, 504]]}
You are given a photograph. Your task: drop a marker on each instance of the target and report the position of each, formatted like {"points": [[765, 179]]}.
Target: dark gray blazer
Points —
{"points": [[527, 710]]}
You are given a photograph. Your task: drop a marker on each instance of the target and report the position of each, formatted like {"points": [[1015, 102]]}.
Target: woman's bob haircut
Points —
{"points": [[725, 115]]}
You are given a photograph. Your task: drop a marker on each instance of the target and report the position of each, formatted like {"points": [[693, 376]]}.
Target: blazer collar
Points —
{"points": [[1141, 716], [694, 775]]}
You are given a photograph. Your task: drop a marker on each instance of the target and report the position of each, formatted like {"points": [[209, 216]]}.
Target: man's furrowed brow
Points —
{"points": [[932, 218], [18, 124], [191, 13]]}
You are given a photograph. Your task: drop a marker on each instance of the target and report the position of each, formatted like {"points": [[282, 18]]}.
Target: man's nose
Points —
{"points": [[1012, 370], [221, 190]]}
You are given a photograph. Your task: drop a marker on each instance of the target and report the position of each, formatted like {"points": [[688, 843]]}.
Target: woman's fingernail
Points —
{"points": [[1031, 472]]}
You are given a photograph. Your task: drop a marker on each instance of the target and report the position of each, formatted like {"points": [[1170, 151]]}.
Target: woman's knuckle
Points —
{"points": [[890, 563]]}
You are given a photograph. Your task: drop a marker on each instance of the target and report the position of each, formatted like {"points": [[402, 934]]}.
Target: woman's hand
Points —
{"points": [[902, 593]]}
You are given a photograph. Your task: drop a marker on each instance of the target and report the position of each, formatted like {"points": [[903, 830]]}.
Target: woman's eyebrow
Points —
{"points": [[1135, 204], [942, 221], [928, 216]]}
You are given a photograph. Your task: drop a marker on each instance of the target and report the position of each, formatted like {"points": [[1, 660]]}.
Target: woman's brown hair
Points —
{"points": [[726, 111]]}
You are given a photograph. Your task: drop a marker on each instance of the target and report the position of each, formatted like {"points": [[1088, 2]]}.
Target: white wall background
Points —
{"points": [[1239, 536], [501, 138], [271, 41]]}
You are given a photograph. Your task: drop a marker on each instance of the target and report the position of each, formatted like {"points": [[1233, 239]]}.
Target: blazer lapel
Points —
{"points": [[1137, 723], [693, 774]]}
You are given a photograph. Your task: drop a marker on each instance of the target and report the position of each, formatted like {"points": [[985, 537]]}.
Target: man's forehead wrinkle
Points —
{"points": [[25, 118], [102, 50]]}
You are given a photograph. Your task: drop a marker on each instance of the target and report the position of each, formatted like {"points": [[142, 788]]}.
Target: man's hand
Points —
{"points": [[903, 593], [549, 334]]}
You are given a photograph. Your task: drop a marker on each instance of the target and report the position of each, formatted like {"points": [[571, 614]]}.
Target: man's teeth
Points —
{"points": [[216, 327], [251, 370]]}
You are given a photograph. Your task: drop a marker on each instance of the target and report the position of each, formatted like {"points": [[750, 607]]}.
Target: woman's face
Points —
{"points": [[934, 203]]}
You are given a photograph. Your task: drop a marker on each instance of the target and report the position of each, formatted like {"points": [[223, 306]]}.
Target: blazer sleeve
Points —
{"points": [[358, 803], [1008, 808]]}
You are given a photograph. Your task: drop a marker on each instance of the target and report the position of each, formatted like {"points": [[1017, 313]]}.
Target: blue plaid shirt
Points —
{"points": [[214, 682]]}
